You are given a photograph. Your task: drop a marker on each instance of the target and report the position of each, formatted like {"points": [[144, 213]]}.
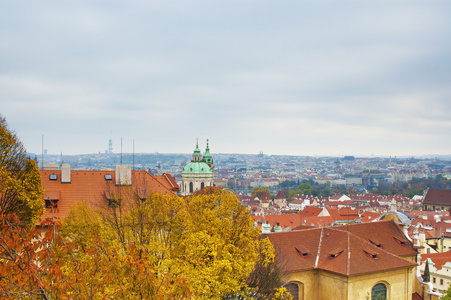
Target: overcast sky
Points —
{"points": [[283, 77]]}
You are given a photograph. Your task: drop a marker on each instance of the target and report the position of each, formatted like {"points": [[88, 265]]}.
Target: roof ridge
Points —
{"points": [[319, 247], [348, 262]]}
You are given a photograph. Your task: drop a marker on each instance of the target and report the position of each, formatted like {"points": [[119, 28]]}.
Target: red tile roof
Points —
{"points": [[285, 220], [168, 181], [310, 211], [437, 197], [280, 195], [346, 250], [439, 259], [318, 221], [416, 296], [92, 187]]}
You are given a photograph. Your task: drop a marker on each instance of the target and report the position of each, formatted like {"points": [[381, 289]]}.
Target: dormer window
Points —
{"points": [[335, 254], [372, 255], [400, 241], [301, 252], [53, 177], [376, 243]]}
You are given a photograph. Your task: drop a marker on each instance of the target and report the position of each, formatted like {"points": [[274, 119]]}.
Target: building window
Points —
{"points": [[191, 189], [379, 292], [441, 281], [51, 203], [53, 177], [202, 185], [433, 280], [293, 289]]}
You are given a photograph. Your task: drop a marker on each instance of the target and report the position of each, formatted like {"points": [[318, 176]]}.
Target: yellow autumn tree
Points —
{"points": [[208, 239], [20, 182]]}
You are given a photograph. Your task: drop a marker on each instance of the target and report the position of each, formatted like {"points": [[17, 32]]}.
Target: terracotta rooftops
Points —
{"points": [[347, 250], [437, 197], [280, 195], [92, 187], [439, 259], [285, 220]]}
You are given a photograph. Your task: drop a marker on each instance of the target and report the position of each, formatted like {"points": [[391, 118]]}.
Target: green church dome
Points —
{"points": [[197, 167]]}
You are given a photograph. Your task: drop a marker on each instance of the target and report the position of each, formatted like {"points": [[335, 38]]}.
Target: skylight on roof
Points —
{"points": [[53, 176], [108, 177]]}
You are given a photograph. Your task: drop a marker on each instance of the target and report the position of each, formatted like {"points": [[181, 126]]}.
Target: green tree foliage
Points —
{"points": [[20, 182], [287, 184], [259, 191], [416, 186], [305, 188]]}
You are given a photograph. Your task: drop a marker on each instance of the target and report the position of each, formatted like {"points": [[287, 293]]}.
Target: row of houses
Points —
{"points": [[369, 255]]}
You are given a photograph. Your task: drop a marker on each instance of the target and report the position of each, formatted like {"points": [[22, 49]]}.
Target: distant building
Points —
{"points": [[438, 265], [437, 200], [198, 173]]}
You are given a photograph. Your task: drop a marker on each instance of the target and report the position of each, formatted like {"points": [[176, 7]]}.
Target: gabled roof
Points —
{"points": [[437, 197], [310, 211], [168, 181], [342, 249], [92, 187], [344, 213], [439, 259], [280, 195], [265, 196], [284, 220], [319, 221]]}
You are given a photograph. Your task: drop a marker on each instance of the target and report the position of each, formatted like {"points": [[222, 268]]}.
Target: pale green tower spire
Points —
{"points": [[207, 156]]}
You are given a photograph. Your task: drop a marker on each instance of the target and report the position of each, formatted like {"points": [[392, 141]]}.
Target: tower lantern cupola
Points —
{"points": [[197, 155]]}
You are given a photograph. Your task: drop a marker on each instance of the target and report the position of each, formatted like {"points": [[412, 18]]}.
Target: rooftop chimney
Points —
{"points": [[51, 167], [123, 175], [65, 173]]}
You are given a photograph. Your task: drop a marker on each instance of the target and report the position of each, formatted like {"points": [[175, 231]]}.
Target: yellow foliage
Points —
{"points": [[208, 239]]}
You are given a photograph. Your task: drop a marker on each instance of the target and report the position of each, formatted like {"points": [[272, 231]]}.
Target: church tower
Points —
{"points": [[208, 159], [198, 173]]}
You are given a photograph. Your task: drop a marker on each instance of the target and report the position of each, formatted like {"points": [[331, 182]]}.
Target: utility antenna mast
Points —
{"points": [[42, 153]]}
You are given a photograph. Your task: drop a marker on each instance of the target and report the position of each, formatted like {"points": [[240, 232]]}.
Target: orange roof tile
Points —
{"points": [[439, 259], [285, 220], [92, 187], [168, 181], [437, 197], [342, 249]]}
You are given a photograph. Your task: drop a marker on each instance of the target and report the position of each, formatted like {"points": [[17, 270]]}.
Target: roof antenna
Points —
{"points": [[133, 154], [42, 156], [121, 150]]}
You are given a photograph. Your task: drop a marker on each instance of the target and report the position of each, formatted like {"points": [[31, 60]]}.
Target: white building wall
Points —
{"points": [[196, 180]]}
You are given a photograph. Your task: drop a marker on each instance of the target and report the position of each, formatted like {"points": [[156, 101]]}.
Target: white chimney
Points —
{"points": [[51, 167], [65, 173], [123, 175]]}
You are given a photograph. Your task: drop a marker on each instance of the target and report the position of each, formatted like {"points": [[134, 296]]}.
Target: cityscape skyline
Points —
{"points": [[309, 78]]}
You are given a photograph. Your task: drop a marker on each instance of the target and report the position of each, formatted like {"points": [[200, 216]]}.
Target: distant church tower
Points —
{"points": [[198, 173]]}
